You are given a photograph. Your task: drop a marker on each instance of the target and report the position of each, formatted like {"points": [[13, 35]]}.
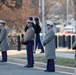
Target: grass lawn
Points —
{"points": [[64, 62], [41, 58], [58, 61]]}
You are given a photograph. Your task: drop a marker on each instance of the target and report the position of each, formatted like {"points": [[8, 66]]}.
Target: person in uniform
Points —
{"points": [[29, 41], [37, 32], [26, 27], [49, 47], [3, 41]]}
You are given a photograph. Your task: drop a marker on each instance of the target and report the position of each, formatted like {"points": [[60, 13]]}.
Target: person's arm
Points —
{"points": [[3, 34], [25, 29], [29, 36], [48, 37]]}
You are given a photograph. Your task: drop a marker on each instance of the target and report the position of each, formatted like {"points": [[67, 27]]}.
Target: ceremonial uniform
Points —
{"points": [[29, 40], [3, 41], [49, 48]]}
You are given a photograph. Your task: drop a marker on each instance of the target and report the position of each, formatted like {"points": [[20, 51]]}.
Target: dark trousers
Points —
{"points": [[4, 55], [38, 42], [30, 57], [50, 65]]}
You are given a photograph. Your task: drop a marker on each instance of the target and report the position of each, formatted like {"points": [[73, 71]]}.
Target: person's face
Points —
{"points": [[48, 27], [29, 24], [1, 25]]}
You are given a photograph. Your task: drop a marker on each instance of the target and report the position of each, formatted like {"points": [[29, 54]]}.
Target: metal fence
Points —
{"points": [[61, 41], [64, 41]]}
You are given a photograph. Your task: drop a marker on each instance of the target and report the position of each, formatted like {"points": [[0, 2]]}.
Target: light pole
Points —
{"points": [[39, 6], [67, 8], [43, 24], [75, 27]]}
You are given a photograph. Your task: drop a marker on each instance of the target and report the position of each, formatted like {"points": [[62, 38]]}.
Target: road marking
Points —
{"points": [[41, 68]]}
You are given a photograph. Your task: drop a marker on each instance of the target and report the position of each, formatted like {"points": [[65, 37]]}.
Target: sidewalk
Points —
{"points": [[65, 53]]}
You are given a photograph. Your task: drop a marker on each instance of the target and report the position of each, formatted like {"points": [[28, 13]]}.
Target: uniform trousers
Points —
{"points": [[50, 65], [4, 55], [29, 49]]}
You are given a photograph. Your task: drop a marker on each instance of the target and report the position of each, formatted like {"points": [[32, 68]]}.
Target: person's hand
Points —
{"points": [[44, 44], [23, 42]]}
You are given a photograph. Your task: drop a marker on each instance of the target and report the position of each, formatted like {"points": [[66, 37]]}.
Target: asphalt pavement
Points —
{"points": [[16, 66], [10, 68]]}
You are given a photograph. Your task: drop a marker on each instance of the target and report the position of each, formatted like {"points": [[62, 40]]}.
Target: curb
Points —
{"points": [[43, 65], [58, 67]]}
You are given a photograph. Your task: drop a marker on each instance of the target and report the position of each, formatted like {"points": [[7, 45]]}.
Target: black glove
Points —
{"points": [[44, 44], [24, 43], [74, 48]]}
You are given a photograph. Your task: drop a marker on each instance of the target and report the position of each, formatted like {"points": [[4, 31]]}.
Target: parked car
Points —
{"points": [[69, 29]]}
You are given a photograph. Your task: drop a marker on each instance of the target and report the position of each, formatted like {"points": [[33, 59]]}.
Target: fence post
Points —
{"points": [[56, 41], [75, 58], [19, 43], [22, 35], [64, 43], [73, 39], [60, 41], [68, 39]]}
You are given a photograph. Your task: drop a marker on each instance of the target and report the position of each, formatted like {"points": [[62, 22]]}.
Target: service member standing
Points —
{"points": [[3, 41], [49, 47], [29, 41]]}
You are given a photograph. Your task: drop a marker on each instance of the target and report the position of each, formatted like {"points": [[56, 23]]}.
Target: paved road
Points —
{"points": [[65, 55], [11, 68]]}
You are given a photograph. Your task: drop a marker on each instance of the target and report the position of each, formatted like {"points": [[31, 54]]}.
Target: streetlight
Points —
{"points": [[67, 8], [39, 6], [43, 24]]}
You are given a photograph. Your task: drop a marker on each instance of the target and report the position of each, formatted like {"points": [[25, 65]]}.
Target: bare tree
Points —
{"points": [[57, 7], [16, 12], [12, 3]]}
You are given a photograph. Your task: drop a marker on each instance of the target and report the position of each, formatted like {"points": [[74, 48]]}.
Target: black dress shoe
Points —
{"points": [[48, 71], [41, 52], [34, 52], [29, 66], [3, 61]]}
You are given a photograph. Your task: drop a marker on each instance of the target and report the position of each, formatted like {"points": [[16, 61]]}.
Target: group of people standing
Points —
{"points": [[32, 30], [36, 25]]}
